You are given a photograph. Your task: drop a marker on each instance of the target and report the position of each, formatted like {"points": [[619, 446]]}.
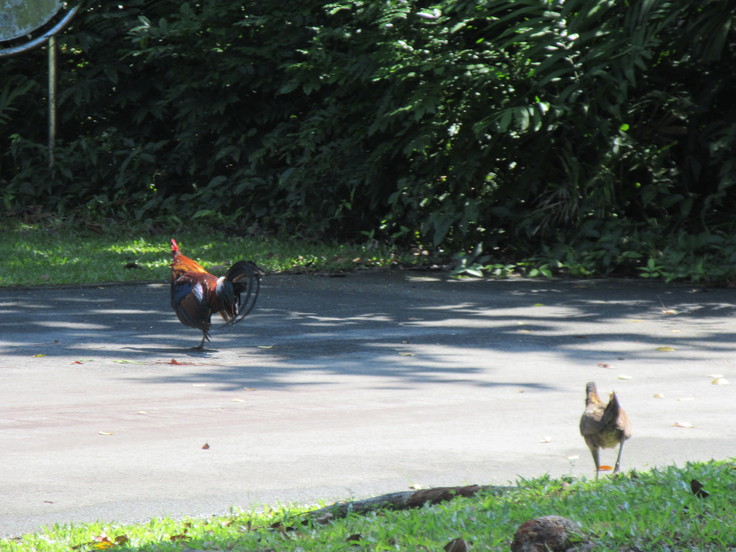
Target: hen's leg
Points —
{"points": [[617, 468], [596, 459]]}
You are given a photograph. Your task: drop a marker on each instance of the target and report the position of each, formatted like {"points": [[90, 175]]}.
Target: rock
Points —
{"points": [[550, 534]]}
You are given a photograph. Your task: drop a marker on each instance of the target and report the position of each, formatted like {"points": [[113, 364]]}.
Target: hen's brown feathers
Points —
{"points": [[603, 425]]}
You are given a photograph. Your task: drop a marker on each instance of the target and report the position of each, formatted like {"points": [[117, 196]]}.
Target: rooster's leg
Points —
{"points": [[617, 467], [201, 343]]}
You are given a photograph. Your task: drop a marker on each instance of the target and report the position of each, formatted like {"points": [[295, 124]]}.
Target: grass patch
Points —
{"points": [[58, 253], [652, 511]]}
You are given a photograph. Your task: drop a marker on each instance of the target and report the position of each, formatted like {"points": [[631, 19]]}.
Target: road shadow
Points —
{"points": [[404, 326]]}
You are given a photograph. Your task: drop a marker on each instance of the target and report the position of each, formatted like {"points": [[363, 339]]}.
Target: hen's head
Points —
{"points": [[174, 248]]}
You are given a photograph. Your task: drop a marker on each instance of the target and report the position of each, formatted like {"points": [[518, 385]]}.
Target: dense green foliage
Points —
{"points": [[589, 133]]}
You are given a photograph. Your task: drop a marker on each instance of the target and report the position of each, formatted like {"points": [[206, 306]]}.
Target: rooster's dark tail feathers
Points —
{"points": [[245, 277]]}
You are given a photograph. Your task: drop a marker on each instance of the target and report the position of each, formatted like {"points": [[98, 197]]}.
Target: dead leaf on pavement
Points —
{"points": [[604, 365], [206, 446], [665, 349], [719, 381], [686, 425]]}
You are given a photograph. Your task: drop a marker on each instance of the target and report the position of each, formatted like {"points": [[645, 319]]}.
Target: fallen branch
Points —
{"points": [[401, 500]]}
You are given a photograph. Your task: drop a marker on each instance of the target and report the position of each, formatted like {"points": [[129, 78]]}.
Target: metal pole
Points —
{"points": [[52, 99]]}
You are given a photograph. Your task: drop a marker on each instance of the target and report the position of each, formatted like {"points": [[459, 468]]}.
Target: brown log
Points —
{"points": [[401, 500]]}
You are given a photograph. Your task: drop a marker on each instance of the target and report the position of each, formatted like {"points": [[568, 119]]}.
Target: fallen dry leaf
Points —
{"points": [[39, 355], [665, 349], [105, 433], [686, 425], [103, 542], [206, 446], [659, 395], [605, 468], [623, 377], [407, 354], [604, 365], [175, 362], [265, 346], [719, 381]]}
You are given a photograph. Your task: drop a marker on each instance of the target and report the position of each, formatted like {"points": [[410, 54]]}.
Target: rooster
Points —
{"points": [[603, 425], [196, 294]]}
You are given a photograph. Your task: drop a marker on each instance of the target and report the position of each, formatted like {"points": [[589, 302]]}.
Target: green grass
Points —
{"points": [[58, 253], [652, 511]]}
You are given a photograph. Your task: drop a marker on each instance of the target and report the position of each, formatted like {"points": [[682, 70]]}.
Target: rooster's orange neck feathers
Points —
{"points": [[181, 264]]}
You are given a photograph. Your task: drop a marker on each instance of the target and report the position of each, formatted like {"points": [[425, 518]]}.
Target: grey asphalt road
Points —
{"points": [[345, 387]]}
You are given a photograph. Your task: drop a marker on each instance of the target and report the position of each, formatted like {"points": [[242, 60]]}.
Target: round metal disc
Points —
{"points": [[20, 17]]}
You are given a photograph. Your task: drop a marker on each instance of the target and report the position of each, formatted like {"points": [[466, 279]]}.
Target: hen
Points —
{"points": [[603, 425], [196, 294]]}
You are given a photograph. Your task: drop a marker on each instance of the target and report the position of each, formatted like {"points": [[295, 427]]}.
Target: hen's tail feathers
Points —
{"points": [[246, 278]]}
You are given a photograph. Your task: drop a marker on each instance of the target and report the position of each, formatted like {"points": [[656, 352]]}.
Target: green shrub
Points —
{"points": [[511, 123]]}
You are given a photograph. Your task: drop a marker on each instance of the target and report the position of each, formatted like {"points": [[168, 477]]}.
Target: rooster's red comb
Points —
{"points": [[174, 246]]}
